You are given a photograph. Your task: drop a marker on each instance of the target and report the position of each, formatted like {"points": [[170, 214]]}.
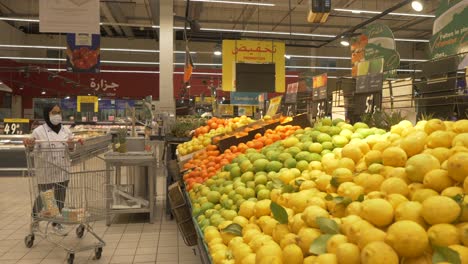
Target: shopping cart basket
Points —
{"points": [[66, 192]]}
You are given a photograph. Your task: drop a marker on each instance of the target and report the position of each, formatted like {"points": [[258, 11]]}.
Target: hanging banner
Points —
{"points": [[83, 52], [319, 91], [450, 29], [254, 52], [274, 105], [244, 98], [377, 41], [291, 93], [79, 16]]}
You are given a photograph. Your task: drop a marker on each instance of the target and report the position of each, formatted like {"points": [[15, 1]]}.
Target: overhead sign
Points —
{"points": [[87, 100], [83, 52], [244, 98], [319, 87], [15, 126], [377, 41], [450, 29], [64, 16], [319, 10], [255, 52]]}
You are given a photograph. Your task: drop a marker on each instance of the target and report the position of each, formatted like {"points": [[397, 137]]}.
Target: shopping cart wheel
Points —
{"points": [[29, 241], [71, 258], [98, 253], [80, 231]]}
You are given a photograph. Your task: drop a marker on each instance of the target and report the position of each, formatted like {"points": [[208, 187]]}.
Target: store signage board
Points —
{"points": [[291, 93], [123, 104], [244, 98], [106, 105], [449, 31], [83, 52], [254, 52], [226, 110], [319, 87], [15, 126], [245, 110], [261, 100], [274, 105], [319, 109], [68, 104], [87, 100], [78, 16]]}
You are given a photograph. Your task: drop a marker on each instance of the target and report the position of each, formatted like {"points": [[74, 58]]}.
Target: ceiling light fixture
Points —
{"points": [[344, 41], [287, 56], [217, 50], [358, 11], [43, 92], [234, 2], [67, 97], [417, 5]]}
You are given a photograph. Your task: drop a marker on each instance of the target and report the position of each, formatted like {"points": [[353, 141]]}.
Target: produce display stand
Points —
{"points": [[119, 160]]}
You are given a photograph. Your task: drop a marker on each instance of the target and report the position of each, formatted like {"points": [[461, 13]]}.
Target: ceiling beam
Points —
{"points": [[116, 11], [108, 15]]}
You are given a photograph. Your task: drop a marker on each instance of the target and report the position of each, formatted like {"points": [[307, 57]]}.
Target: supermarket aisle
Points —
{"points": [[129, 240]]}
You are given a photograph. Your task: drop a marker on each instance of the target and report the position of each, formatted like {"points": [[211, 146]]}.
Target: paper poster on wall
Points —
{"points": [[83, 52], [252, 52], [274, 105], [449, 36], [61, 16]]}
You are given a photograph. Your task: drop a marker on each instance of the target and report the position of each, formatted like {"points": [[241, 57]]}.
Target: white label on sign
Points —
{"points": [[95, 119], [83, 39]]}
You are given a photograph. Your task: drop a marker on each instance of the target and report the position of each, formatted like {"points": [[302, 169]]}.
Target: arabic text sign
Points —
{"points": [[102, 85], [78, 16], [274, 106], [244, 98], [319, 87], [83, 52], [291, 93], [255, 52]]}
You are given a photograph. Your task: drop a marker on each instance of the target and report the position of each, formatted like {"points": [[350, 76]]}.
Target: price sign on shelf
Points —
{"points": [[15, 126]]}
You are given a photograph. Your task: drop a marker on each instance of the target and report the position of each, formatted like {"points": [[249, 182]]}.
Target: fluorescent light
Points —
{"points": [[267, 32], [287, 56], [19, 19], [131, 62], [408, 70], [344, 43], [102, 49], [417, 5], [129, 71], [68, 97], [318, 67], [217, 53], [234, 2], [413, 60], [318, 57], [359, 11], [32, 58], [412, 40]]}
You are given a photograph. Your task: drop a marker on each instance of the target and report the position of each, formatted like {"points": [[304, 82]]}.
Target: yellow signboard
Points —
{"points": [[245, 110], [15, 120], [226, 110], [87, 100], [255, 52], [274, 105]]}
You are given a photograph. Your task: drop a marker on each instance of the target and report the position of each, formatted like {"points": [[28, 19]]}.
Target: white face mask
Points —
{"points": [[55, 119]]}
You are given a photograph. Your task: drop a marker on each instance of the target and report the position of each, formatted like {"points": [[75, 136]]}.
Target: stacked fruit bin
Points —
{"points": [[335, 193]]}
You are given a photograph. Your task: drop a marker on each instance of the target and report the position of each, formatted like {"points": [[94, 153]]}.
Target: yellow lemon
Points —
{"points": [[379, 212], [394, 156], [443, 235], [414, 143], [439, 139], [437, 180], [378, 253], [440, 209], [458, 166], [311, 213], [370, 235], [334, 242], [348, 253], [407, 238], [394, 185], [418, 165], [293, 254], [434, 125], [410, 211]]}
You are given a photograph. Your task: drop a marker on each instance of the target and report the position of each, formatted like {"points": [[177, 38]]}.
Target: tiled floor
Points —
{"points": [[130, 239]]}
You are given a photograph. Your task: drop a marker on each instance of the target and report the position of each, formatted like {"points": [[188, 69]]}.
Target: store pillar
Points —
{"points": [[166, 56]]}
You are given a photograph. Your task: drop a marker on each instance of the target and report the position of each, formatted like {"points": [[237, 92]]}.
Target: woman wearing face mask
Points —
{"points": [[53, 137]]}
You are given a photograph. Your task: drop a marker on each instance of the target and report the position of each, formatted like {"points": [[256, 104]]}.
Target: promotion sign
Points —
{"points": [[450, 31], [274, 105], [83, 52], [291, 93], [255, 52], [377, 41], [245, 110], [319, 87], [244, 98], [226, 110], [15, 126], [61, 16]]}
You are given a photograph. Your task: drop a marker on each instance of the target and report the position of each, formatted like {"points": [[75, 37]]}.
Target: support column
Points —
{"points": [[166, 56]]}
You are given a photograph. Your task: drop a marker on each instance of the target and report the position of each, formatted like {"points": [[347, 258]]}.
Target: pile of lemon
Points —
{"points": [[397, 197]]}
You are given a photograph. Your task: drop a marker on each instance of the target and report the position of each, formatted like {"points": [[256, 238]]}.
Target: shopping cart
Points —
{"points": [[66, 192]]}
